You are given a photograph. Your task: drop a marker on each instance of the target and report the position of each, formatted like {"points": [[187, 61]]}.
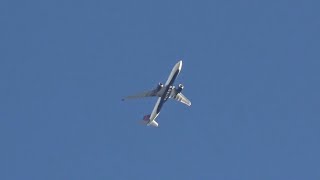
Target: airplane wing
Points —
{"points": [[142, 95], [180, 97]]}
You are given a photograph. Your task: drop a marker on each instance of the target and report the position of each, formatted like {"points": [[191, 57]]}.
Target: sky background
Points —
{"points": [[250, 68]]}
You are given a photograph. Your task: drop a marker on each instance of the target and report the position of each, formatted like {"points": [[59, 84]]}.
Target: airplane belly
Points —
{"points": [[174, 73], [155, 111]]}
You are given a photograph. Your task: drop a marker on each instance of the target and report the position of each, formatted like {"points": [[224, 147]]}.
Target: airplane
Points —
{"points": [[163, 92]]}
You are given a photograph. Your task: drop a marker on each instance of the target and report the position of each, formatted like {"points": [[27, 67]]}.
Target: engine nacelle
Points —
{"points": [[160, 85], [180, 88]]}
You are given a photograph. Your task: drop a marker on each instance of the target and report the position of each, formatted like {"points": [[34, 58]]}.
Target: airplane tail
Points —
{"points": [[146, 117], [146, 121]]}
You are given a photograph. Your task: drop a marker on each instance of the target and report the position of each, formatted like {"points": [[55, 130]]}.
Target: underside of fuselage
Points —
{"points": [[164, 92]]}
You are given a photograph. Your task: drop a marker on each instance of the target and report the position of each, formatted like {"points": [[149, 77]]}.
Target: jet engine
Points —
{"points": [[159, 86], [180, 87]]}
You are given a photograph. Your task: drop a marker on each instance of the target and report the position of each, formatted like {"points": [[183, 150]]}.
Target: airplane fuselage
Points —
{"points": [[165, 92]]}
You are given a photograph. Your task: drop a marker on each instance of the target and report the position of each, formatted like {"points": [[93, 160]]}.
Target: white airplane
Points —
{"points": [[163, 92]]}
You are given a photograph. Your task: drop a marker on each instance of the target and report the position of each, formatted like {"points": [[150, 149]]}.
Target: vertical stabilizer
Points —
{"points": [[146, 121]]}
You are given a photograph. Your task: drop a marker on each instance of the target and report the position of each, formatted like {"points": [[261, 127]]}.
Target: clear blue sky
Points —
{"points": [[250, 68]]}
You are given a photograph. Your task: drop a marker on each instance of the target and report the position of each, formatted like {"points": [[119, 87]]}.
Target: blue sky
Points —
{"points": [[250, 68]]}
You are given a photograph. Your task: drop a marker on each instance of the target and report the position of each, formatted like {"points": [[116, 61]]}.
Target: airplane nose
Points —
{"points": [[180, 64]]}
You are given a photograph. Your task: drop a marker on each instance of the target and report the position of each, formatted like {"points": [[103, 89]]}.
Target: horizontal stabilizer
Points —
{"points": [[154, 124], [146, 121]]}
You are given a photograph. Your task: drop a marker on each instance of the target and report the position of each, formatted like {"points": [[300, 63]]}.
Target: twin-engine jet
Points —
{"points": [[163, 92]]}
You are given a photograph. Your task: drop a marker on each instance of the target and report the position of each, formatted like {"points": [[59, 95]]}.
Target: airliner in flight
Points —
{"points": [[163, 92]]}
